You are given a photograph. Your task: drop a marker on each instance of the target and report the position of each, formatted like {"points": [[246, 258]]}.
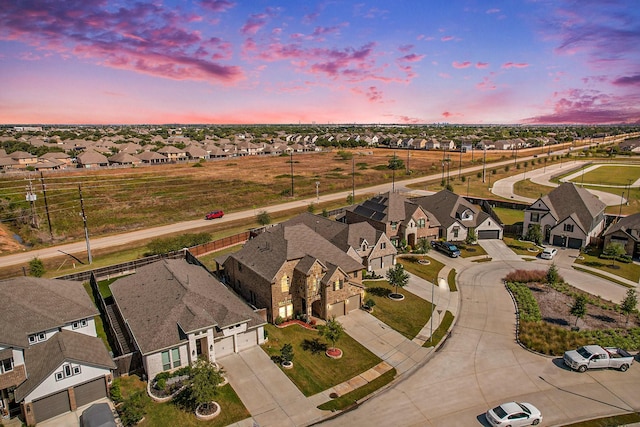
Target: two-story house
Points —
{"points": [[625, 232], [51, 360], [457, 216], [290, 269], [569, 216], [177, 312], [397, 217]]}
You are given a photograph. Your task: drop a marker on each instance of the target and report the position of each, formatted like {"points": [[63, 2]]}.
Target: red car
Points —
{"points": [[214, 214]]}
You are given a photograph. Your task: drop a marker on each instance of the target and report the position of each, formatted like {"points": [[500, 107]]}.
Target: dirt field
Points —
{"points": [[555, 308]]}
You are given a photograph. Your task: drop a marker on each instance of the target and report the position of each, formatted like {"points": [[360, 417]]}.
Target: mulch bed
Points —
{"points": [[296, 322], [555, 308]]}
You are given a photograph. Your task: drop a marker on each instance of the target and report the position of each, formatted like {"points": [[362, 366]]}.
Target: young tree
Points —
{"points": [[286, 353], [534, 234], [471, 236], [397, 277], [629, 303], [614, 250], [204, 381], [423, 245], [331, 331], [264, 218], [553, 276], [36, 267], [579, 308], [350, 199]]}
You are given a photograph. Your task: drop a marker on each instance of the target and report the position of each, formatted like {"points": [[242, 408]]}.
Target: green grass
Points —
{"points": [[209, 259], [451, 279], [467, 251], [526, 188], [628, 271], [407, 317], [427, 272], [352, 397], [520, 247], [615, 421], [610, 175], [169, 415], [509, 216], [441, 331], [98, 319], [313, 373]]}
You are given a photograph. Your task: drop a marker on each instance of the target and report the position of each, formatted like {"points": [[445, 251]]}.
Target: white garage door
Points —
{"points": [[223, 346], [247, 340]]}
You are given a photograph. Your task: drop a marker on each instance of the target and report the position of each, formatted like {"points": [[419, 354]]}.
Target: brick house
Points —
{"points": [[625, 232], [397, 217], [290, 269]]}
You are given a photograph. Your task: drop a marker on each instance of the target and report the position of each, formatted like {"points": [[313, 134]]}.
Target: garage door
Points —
{"points": [[488, 234], [558, 241], [90, 391], [50, 406], [375, 264], [354, 303], [336, 309], [387, 261], [224, 346], [246, 340], [574, 243]]}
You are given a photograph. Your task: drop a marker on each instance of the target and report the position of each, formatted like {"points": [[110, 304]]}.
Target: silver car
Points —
{"points": [[514, 414], [548, 253]]}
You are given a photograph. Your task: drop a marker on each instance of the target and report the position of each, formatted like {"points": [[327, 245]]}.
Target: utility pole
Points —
{"points": [[468, 182], [291, 162], [460, 163], [317, 192], [484, 164], [84, 220], [31, 198], [46, 204], [353, 179], [408, 157]]}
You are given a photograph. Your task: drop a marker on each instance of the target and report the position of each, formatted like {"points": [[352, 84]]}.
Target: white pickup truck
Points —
{"points": [[596, 357]]}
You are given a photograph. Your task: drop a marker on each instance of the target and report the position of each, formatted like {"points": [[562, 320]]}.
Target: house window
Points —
{"points": [[421, 223], [338, 284], [59, 376], [355, 274], [42, 336], [286, 310], [284, 284], [535, 217], [32, 339], [394, 225], [175, 355], [6, 365], [166, 361], [239, 267], [383, 245], [67, 370], [456, 230], [76, 370], [568, 228], [80, 324]]}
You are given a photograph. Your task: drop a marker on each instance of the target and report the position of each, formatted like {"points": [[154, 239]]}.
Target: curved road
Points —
{"points": [[481, 365]]}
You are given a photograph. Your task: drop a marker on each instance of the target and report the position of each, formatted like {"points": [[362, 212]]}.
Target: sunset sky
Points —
{"points": [[334, 61]]}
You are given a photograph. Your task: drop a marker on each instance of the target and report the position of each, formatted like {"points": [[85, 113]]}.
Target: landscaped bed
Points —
{"points": [[628, 271], [313, 371]]}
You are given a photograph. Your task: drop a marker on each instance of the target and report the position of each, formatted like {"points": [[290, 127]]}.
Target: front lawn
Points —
{"points": [[169, 415], [521, 247], [407, 316], [428, 272], [467, 251], [629, 271], [509, 216], [313, 373]]}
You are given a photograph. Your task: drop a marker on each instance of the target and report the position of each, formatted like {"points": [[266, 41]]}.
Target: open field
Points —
{"points": [[610, 175]]}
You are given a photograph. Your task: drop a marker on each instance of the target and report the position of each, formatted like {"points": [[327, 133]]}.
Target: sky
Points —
{"points": [[322, 62]]}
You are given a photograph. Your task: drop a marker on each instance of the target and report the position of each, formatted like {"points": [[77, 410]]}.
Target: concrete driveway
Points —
{"points": [[481, 365]]}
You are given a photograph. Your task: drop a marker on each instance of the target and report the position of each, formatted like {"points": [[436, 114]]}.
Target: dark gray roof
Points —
{"points": [[65, 346], [266, 253], [325, 227], [164, 298], [31, 305], [629, 224], [387, 207], [447, 208], [568, 199]]}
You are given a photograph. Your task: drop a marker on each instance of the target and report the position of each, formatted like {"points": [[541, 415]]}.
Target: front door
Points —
{"points": [[201, 348]]}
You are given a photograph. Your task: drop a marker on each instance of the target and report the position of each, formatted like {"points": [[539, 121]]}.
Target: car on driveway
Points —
{"points": [[548, 253], [514, 414], [214, 214], [446, 247]]}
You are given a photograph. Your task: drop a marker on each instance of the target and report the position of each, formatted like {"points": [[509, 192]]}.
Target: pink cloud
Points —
{"points": [[508, 65], [492, 11], [448, 114], [405, 48], [447, 38], [486, 84], [217, 6], [373, 94], [482, 65], [144, 38], [465, 64], [444, 75], [412, 57]]}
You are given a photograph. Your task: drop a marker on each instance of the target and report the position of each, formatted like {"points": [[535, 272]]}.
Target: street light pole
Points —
{"points": [[317, 192]]}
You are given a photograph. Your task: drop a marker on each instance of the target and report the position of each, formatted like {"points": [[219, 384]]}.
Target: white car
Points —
{"points": [[514, 414], [548, 253]]}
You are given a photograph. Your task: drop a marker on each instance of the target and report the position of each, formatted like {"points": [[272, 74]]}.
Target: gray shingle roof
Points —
{"points": [[31, 305], [169, 296], [568, 199], [266, 253], [387, 207], [629, 225], [447, 207], [65, 346]]}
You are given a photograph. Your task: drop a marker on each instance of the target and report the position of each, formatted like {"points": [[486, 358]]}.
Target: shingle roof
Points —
{"points": [[65, 346], [168, 296], [387, 207], [31, 305], [568, 198], [266, 253], [447, 207], [124, 158], [151, 155], [629, 225], [92, 158]]}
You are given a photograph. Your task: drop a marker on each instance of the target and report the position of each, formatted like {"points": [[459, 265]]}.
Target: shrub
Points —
{"points": [[134, 408], [278, 320], [36, 267], [116, 392], [527, 304], [526, 276], [286, 353]]}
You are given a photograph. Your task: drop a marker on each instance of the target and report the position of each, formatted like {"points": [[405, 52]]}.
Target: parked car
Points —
{"points": [[214, 214], [514, 414], [595, 357], [446, 247], [548, 253]]}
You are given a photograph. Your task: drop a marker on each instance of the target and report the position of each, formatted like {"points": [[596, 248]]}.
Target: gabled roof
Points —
{"points": [[147, 156], [568, 198], [167, 299], [628, 224], [92, 157], [124, 158], [385, 208], [31, 305], [44, 359], [447, 207], [266, 253]]}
